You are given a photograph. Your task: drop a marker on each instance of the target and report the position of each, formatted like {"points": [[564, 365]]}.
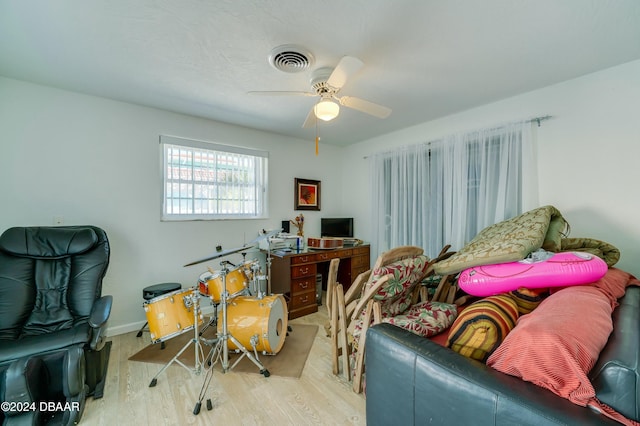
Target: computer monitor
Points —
{"points": [[336, 227]]}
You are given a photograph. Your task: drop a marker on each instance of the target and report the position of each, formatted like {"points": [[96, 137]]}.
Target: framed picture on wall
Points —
{"points": [[306, 194]]}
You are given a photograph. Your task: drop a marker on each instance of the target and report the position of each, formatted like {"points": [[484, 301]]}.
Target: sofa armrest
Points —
{"points": [[412, 380], [615, 375], [98, 320]]}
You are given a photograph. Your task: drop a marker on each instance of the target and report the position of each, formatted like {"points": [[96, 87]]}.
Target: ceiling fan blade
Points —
{"points": [[347, 67], [310, 120], [281, 93], [365, 106]]}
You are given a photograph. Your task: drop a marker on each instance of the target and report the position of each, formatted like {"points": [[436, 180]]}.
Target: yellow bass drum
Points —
{"points": [[262, 322]]}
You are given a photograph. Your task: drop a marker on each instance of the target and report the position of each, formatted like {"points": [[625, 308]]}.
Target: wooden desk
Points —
{"points": [[293, 274]]}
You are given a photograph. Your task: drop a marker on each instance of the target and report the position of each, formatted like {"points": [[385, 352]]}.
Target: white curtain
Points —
{"points": [[446, 191]]}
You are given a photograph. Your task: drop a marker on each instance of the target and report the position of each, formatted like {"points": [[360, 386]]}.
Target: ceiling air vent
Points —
{"points": [[290, 58]]}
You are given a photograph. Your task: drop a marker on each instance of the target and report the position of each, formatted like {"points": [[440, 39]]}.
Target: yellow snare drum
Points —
{"points": [[260, 321], [170, 314]]}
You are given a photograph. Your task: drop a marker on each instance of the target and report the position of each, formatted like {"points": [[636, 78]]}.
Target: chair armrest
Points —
{"points": [[100, 311], [98, 319], [368, 294]]}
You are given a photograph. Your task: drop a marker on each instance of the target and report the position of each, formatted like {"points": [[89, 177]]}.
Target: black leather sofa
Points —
{"points": [[52, 322], [411, 380]]}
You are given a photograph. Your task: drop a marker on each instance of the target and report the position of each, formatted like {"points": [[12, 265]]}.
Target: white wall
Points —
{"points": [[587, 156], [96, 161]]}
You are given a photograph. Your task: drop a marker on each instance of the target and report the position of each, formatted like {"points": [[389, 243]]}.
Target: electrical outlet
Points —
{"points": [[58, 220]]}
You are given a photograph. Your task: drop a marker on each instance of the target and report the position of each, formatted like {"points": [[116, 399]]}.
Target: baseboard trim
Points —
{"points": [[136, 326]]}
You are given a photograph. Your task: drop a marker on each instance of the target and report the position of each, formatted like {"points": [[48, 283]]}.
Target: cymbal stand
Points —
{"points": [[268, 265], [193, 302]]}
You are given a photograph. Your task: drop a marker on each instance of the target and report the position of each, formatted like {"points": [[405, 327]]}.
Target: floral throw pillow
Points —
{"points": [[426, 319], [395, 294]]}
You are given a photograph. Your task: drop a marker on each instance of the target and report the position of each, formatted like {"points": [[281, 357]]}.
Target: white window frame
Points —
{"points": [[252, 202]]}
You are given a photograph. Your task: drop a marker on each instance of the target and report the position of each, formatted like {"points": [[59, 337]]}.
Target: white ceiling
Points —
{"points": [[424, 59]]}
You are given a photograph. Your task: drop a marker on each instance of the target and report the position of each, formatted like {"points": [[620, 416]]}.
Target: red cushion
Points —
{"points": [[557, 344], [554, 347], [614, 284]]}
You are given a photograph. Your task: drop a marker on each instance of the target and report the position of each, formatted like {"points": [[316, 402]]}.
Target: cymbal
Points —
{"points": [[265, 236], [218, 254]]}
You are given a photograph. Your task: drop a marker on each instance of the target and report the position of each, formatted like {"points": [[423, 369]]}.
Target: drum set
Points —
{"points": [[246, 318]]}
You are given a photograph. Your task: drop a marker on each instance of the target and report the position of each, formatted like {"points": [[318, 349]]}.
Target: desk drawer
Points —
{"points": [[321, 257], [303, 258], [303, 299], [360, 261], [346, 253], [302, 285], [303, 270], [361, 250]]}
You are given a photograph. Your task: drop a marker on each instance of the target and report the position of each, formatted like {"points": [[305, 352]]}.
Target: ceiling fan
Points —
{"points": [[326, 83]]}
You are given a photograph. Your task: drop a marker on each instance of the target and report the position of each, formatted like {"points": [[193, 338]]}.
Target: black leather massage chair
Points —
{"points": [[52, 322]]}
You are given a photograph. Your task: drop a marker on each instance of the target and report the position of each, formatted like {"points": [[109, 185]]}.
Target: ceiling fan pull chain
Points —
{"points": [[317, 138]]}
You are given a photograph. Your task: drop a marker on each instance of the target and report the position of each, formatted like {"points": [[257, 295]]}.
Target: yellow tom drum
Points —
{"points": [[212, 285], [249, 267], [260, 321], [170, 314]]}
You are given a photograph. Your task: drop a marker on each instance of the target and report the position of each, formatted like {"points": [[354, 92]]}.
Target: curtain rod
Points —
{"points": [[531, 120], [540, 119]]}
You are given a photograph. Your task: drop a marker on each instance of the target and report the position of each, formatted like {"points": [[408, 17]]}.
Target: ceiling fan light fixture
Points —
{"points": [[326, 110]]}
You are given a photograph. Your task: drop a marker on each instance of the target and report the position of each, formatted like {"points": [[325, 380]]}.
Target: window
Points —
{"points": [[446, 191], [204, 180]]}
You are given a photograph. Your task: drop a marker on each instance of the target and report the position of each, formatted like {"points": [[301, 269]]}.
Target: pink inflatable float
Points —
{"points": [[558, 270]]}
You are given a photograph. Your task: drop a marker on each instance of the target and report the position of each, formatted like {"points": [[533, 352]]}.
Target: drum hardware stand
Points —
{"points": [[199, 354], [212, 322], [214, 318], [224, 338], [221, 349], [256, 272], [255, 269]]}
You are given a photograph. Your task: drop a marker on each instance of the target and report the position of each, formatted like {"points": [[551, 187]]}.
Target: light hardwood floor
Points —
{"points": [[316, 398]]}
